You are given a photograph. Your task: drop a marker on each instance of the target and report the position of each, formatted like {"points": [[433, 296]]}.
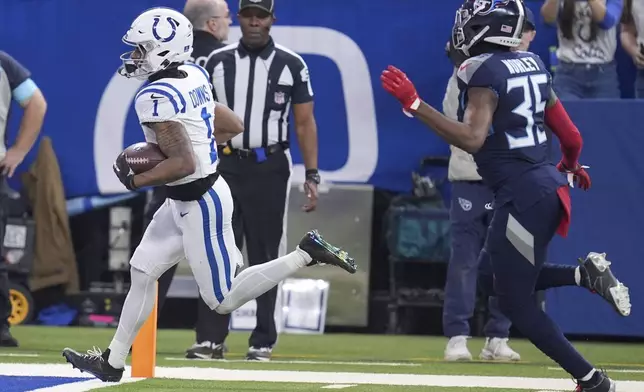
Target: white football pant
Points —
{"points": [[200, 231]]}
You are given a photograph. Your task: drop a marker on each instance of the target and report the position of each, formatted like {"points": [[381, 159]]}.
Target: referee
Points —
{"points": [[261, 80]]}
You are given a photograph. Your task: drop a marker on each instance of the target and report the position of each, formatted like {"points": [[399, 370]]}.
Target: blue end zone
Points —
{"points": [[26, 383]]}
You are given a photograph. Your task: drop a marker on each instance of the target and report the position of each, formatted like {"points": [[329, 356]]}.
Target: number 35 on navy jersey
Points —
{"points": [[522, 84]]}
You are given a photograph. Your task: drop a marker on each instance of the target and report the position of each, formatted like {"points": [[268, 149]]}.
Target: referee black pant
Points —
{"points": [[259, 191], [5, 303]]}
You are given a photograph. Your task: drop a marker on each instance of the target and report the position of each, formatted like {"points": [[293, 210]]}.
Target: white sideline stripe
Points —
{"points": [[84, 386], [634, 371], [19, 355], [380, 379], [298, 362], [324, 378], [339, 386]]}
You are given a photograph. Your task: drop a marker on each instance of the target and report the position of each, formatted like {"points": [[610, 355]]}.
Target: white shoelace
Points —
{"points": [[95, 352]]}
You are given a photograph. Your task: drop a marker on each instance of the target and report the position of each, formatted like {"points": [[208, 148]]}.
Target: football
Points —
{"points": [[143, 156]]}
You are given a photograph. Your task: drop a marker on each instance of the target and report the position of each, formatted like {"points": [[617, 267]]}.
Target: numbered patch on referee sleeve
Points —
{"points": [[302, 88], [158, 102]]}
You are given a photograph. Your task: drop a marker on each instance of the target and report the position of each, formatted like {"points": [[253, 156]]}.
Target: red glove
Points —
{"points": [[578, 175], [397, 84]]}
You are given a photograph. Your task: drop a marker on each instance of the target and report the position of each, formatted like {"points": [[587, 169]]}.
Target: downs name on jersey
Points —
{"points": [[188, 101]]}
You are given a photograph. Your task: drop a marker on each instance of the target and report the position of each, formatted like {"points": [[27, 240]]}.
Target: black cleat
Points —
{"points": [[206, 350], [597, 277], [262, 354], [95, 363], [6, 340], [324, 253], [598, 383]]}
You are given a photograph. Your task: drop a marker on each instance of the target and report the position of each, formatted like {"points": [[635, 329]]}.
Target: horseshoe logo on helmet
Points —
{"points": [[173, 25]]}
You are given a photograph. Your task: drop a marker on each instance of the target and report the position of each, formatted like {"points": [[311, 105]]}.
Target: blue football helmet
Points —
{"points": [[498, 22]]}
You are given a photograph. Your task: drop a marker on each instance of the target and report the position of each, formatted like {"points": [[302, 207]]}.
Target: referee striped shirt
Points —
{"points": [[260, 88]]}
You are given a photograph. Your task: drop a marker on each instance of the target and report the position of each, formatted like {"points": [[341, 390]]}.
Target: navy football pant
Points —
{"points": [[517, 245], [470, 216]]}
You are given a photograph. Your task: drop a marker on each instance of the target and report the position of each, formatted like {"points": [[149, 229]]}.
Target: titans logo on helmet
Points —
{"points": [[484, 7]]}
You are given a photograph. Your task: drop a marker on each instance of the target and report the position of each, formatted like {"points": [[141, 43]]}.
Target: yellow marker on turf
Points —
{"points": [[144, 350]]}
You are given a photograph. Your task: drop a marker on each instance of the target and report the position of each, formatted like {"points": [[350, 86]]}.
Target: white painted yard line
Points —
{"points": [[84, 386], [633, 371], [338, 386], [326, 378], [300, 362], [380, 379], [19, 355]]}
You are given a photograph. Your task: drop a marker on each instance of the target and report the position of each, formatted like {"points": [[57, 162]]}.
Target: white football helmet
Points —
{"points": [[161, 36]]}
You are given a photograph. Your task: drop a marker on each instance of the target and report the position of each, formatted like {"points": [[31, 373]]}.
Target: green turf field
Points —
{"points": [[334, 361]]}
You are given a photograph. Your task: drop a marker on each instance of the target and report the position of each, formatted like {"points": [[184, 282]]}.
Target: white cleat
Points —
{"points": [[598, 278], [456, 349], [497, 349]]}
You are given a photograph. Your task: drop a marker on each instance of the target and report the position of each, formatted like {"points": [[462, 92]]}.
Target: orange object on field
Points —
{"points": [[144, 350]]}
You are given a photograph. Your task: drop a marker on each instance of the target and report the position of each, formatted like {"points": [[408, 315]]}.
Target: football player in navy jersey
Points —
{"points": [[506, 98]]}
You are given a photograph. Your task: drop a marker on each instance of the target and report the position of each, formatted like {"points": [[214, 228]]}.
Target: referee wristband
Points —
{"points": [[313, 175]]}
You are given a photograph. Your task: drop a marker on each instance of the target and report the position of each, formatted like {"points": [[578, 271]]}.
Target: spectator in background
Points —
{"points": [[16, 83], [470, 215], [587, 41], [632, 42]]}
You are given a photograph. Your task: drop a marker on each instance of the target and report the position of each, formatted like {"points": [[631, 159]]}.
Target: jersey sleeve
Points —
{"points": [[159, 103], [22, 87], [215, 58], [302, 89], [543, 66], [474, 72]]}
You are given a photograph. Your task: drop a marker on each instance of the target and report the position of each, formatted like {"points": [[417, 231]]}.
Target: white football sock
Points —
{"points": [[136, 310], [258, 279], [589, 375], [577, 276]]}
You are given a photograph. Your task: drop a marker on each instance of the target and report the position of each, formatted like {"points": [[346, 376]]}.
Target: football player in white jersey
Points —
{"points": [[177, 111]]}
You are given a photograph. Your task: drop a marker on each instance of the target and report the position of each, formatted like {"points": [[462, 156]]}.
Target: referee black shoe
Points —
{"points": [[324, 253], [95, 363], [6, 340], [206, 350], [597, 277]]}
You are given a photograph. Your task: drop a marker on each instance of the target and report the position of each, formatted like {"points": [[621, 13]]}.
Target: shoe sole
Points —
{"points": [[492, 357], [458, 359], [621, 291], [202, 356], [259, 359]]}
